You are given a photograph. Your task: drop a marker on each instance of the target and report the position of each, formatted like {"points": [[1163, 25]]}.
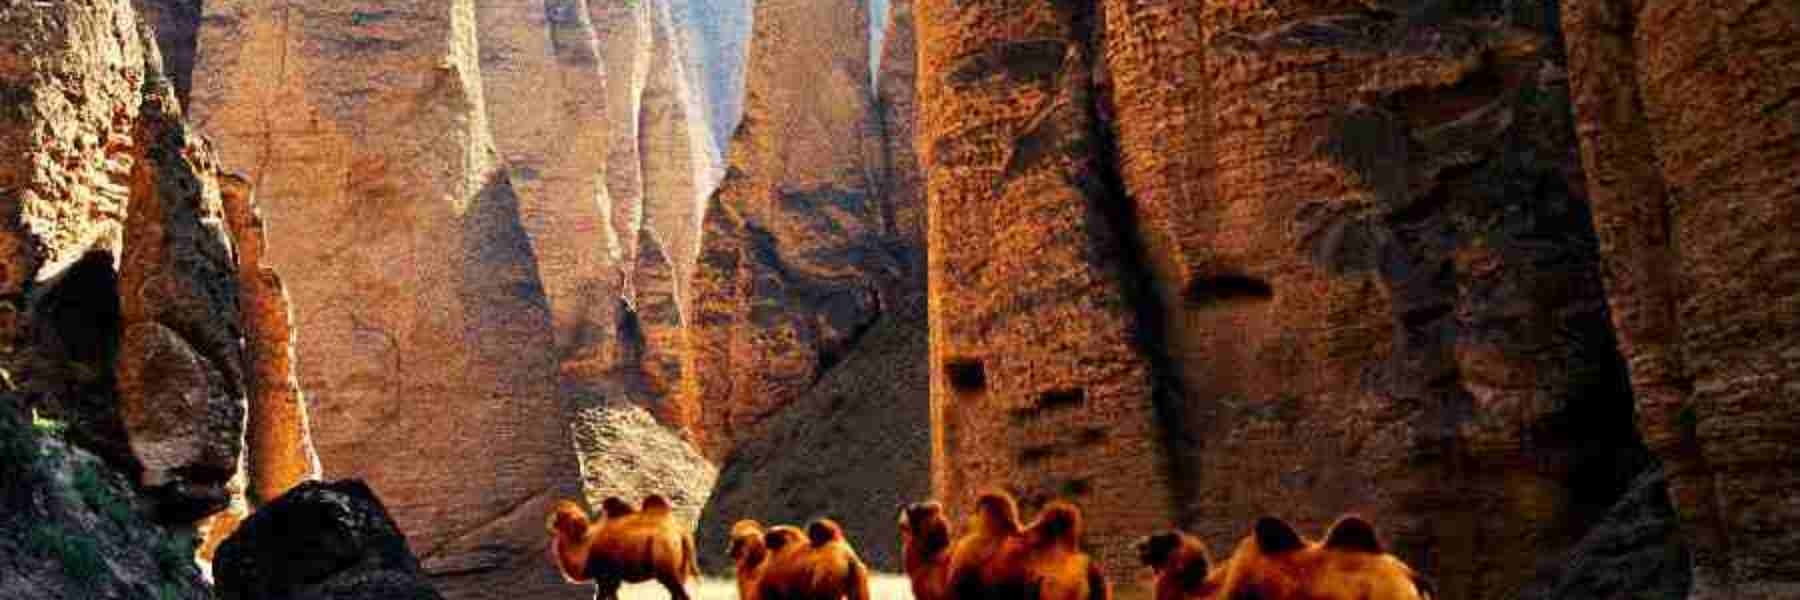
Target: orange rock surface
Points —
{"points": [[1037, 383]]}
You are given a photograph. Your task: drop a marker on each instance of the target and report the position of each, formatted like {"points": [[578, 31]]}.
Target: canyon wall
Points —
{"points": [[1690, 133], [424, 328], [799, 239], [1300, 260], [1038, 384], [138, 328], [489, 214], [810, 314]]}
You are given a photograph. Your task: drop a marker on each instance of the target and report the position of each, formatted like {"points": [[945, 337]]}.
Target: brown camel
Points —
{"points": [[1275, 563], [999, 559], [925, 545], [624, 545], [822, 566]]}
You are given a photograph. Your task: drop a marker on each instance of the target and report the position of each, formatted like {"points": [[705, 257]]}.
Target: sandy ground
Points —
{"points": [[882, 587]]}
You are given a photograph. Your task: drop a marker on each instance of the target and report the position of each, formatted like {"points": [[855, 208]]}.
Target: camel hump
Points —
{"points": [[1060, 522], [615, 508], [657, 504], [997, 512], [824, 531]]}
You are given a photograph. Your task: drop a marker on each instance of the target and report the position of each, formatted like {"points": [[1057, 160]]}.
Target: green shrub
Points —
{"points": [[95, 493], [48, 426], [79, 556]]}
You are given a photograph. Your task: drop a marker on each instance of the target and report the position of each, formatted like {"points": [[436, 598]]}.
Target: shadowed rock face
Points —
{"points": [[320, 541], [799, 243], [1690, 133], [121, 293], [853, 447], [138, 311]]}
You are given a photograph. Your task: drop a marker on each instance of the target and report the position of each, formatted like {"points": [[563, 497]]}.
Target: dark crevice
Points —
{"points": [[1108, 197], [176, 24], [966, 375], [1036, 454], [1055, 399], [1050, 401], [1221, 289]]}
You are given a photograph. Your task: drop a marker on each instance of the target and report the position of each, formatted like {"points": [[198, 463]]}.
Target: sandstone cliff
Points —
{"points": [[424, 328], [853, 447], [488, 213], [138, 322], [1332, 257], [1690, 133], [797, 236], [1037, 385]]}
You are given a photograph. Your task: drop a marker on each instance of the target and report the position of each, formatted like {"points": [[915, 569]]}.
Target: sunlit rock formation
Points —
{"points": [[425, 333]]}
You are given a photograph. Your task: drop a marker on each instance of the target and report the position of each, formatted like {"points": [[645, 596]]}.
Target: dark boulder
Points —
{"points": [[320, 541]]}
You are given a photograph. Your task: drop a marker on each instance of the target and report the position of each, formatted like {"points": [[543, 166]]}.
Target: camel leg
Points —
{"points": [[677, 591], [606, 589]]}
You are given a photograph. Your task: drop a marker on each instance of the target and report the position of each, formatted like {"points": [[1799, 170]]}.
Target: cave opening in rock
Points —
{"points": [[966, 375], [1228, 288], [82, 313]]}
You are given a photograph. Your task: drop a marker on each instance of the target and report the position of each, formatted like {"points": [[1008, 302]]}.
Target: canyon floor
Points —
{"points": [[881, 587]]}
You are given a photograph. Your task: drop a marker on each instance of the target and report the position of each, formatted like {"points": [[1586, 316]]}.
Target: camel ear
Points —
{"points": [[1275, 536], [1353, 534], [823, 531]]}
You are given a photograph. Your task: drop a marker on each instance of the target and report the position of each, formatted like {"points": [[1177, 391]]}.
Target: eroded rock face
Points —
{"points": [[1635, 551], [320, 541], [70, 97], [1389, 290], [545, 88], [122, 282], [176, 24], [796, 238], [424, 325], [181, 367], [853, 448], [279, 451], [1690, 134], [1343, 255], [1037, 384]]}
